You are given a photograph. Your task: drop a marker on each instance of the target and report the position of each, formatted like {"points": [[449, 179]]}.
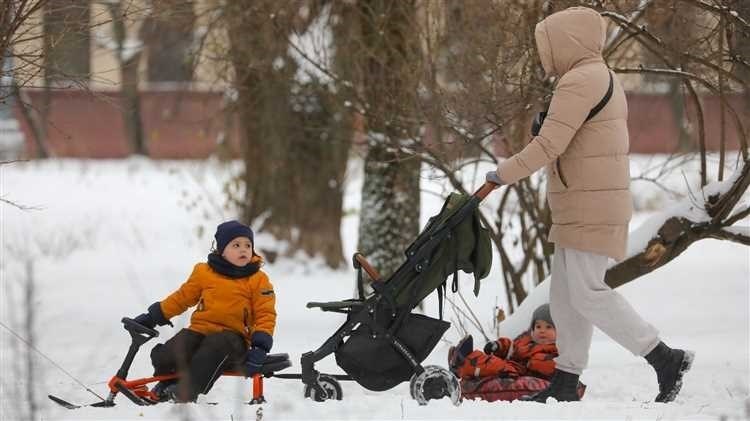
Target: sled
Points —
{"points": [[496, 388], [382, 343], [137, 390]]}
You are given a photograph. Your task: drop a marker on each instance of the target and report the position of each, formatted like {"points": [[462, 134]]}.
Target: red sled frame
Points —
{"points": [[137, 391]]}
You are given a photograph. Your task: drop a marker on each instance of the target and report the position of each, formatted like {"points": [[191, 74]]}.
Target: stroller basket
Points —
{"points": [[376, 364]]}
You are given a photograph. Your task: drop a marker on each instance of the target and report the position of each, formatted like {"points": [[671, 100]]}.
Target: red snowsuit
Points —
{"points": [[520, 357]]}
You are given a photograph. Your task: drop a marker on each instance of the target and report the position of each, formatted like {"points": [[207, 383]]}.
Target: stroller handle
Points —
{"points": [[486, 189], [360, 260]]}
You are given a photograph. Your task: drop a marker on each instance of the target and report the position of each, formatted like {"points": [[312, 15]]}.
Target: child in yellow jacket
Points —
{"points": [[233, 322]]}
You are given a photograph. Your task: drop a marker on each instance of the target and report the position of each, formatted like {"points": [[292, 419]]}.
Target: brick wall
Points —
{"points": [[189, 125], [177, 125]]}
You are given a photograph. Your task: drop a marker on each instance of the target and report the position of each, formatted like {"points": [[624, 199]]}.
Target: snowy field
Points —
{"points": [[107, 238]]}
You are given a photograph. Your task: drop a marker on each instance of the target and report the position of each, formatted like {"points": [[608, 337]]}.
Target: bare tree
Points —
{"points": [[21, 64], [676, 24], [296, 137], [388, 50], [17, 18], [128, 49]]}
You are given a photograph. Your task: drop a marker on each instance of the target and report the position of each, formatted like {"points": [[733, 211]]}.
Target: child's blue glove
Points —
{"points": [[260, 344], [145, 319], [153, 317], [254, 359]]}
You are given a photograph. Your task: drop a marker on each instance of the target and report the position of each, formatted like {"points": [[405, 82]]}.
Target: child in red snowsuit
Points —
{"points": [[531, 354]]}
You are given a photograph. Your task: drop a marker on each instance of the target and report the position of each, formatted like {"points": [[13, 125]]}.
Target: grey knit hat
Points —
{"points": [[541, 313]]}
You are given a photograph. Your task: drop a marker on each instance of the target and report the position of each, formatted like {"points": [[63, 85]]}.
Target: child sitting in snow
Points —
{"points": [[232, 325], [530, 354]]}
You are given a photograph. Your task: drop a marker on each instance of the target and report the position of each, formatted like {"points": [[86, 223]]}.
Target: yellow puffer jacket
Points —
{"points": [[244, 305]]}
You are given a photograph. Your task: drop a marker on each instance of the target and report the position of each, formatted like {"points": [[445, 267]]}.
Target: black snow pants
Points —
{"points": [[198, 359]]}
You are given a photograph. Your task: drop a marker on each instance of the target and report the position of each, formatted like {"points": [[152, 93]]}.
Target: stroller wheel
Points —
{"points": [[435, 382], [326, 388]]}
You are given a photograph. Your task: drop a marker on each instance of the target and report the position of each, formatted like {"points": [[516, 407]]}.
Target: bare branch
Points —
{"points": [[642, 31], [719, 207], [468, 308], [473, 321], [742, 214], [723, 10], [16, 205], [736, 237]]}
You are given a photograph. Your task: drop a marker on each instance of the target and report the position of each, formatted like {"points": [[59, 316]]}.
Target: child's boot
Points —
{"points": [[164, 390], [563, 386], [670, 365]]}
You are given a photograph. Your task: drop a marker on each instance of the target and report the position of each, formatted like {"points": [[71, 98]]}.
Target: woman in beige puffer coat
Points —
{"points": [[589, 196]]}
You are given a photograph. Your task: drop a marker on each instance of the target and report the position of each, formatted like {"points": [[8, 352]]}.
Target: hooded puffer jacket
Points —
{"points": [[244, 305], [587, 161]]}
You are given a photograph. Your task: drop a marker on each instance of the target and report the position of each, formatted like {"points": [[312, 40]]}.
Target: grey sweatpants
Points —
{"points": [[579, 300]]}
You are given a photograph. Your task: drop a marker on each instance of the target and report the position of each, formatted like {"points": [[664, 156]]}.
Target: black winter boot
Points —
{"points": [[165, 389], [670, 365], [563, 386]]}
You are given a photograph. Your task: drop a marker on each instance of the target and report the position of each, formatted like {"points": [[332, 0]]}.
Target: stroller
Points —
{"points": [[382, 343]]}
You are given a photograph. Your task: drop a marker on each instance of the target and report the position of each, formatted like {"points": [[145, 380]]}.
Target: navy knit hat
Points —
{"points": [[542, 313], [228, 231]]}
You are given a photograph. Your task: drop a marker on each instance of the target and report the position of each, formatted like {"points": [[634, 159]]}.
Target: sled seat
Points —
{"points": [[346, 306], [274, 363]]}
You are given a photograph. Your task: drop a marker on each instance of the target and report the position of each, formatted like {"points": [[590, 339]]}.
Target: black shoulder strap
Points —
{"points": [[604, 101]]}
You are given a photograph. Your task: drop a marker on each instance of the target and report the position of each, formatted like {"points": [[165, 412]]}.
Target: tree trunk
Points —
{"points": [[316, 159], [739, 46], [262, 100], [389, 213], [685, 142], [295, 150], [34, 119], [131, 104]]}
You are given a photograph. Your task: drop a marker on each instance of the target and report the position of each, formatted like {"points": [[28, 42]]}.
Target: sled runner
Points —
{"points": [[136, 390], [382, 343]]}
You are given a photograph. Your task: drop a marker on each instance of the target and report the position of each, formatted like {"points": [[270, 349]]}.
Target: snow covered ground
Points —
{"points": [[107, 238]]}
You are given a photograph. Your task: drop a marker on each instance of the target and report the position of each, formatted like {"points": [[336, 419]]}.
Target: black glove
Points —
{"points": [[145, 319], [493, 178], [260, 345], [254, 359], [536, 125], [491, 347], [153, 317]]}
